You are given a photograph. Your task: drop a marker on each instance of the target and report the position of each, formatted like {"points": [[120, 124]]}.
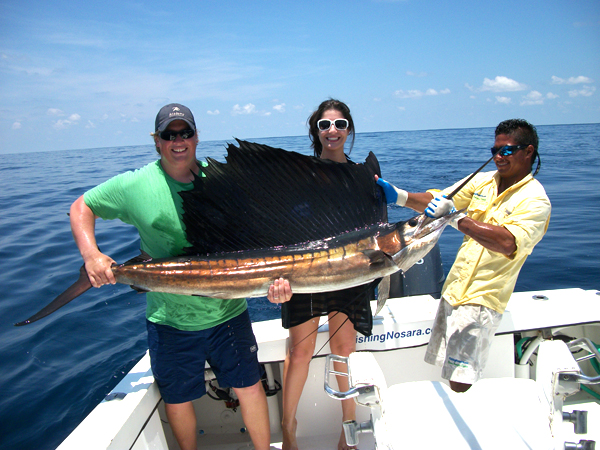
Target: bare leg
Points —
{"points": [[255, 412], [182, 419], [297, 360], [343, 343]]}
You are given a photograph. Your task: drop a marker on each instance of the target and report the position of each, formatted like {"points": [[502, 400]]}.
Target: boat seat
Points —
{"points": [[495, 413]]}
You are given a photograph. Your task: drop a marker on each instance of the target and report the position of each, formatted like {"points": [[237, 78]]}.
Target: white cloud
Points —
{"points": [[16, 126], [504, 100], [533, 98], [216, 112], [73, 118], [280, 108], [247, 109], [502, 84], [499, 84], [61, 124], [551, 96], [586, 91], [415, 93], [408, 94], [572, 80], [90, 124]]}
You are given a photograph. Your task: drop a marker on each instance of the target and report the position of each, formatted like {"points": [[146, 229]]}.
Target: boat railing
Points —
{"points": [[586, 344]]}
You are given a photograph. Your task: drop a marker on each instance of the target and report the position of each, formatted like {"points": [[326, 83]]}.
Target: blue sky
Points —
{"points": [[76, 75]]}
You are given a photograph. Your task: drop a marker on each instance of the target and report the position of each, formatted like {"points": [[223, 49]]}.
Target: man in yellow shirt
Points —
{"points": [[507, 214]]}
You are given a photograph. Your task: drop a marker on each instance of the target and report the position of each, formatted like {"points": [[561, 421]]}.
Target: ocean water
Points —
{"points": [[56, 370]]}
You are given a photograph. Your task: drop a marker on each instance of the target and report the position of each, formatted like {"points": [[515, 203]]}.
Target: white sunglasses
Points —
{"points": [[339, 124]]}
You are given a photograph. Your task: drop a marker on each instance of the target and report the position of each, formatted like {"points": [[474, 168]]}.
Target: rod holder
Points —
{"points": [[352, 429], [578, 419]]}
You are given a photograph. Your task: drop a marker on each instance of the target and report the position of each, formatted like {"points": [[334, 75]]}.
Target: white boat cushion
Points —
{"points": [[496, 413]]}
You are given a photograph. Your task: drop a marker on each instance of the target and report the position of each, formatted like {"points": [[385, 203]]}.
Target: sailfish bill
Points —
{"points": [[330, 231], [75, 290]]}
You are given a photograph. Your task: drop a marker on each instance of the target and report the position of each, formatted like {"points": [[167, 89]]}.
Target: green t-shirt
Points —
{"points": [[148, 199]]}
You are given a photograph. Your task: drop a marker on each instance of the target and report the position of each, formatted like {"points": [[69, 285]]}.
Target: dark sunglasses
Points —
{"points": [[507, 149], [339, 124], [170, 135]]}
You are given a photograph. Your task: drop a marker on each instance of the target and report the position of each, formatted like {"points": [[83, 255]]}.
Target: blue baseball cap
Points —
{"points": [[171, 112]]}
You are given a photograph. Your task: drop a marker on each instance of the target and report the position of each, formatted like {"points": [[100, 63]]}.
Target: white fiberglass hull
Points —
{"points": [[132, 416]]}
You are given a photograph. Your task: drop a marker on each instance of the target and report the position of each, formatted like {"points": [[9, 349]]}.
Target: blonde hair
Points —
{"points": [[154, 137]]}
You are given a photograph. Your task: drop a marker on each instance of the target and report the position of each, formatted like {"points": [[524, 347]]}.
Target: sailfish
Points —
{"points": [[267, 213]]}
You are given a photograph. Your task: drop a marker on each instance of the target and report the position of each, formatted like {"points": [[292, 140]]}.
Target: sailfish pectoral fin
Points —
{"points": [[75, 290], [375, 256], [383, 293]]}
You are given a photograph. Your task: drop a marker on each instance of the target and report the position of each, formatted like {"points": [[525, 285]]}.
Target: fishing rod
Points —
{"points": [[317, 330], [470, 177], [462, 185], [428, 219]]}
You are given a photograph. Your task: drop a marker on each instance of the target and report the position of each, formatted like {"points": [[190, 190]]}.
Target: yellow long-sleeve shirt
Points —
{"points": [[481, 276]]}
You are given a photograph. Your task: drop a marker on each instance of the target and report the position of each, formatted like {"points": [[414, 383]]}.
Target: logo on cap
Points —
{"points": [[176, 112]]}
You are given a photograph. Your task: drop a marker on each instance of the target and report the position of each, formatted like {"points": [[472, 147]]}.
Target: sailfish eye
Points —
{"points": [[413, 222]]}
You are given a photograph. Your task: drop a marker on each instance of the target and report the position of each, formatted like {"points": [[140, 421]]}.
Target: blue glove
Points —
{"points": [[392, 193], [439, 206]]}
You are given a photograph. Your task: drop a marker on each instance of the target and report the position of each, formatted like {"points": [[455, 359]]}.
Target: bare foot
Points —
{"points": [[342, 444], [289, 436]]}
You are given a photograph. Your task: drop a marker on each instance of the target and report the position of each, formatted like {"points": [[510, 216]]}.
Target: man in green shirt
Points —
{"points": [[184, 332]]}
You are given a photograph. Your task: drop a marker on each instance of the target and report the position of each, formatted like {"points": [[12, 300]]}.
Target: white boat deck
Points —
{"points": [[400, 334]]}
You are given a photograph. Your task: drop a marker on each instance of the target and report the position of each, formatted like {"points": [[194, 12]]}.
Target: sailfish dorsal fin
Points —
{"points": [[265, 197]]}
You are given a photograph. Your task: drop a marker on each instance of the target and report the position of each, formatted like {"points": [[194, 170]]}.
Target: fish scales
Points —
{"points": [[233, 275]]}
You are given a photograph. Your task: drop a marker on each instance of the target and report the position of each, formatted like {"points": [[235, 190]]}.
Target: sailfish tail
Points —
{"points": [[75, 290]]}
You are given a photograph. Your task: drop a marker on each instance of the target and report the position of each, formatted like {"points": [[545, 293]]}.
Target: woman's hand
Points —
{"points": [[280, 291]]}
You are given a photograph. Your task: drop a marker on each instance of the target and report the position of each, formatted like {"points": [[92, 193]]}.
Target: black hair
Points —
{"points": [[524, 134], [313, 130]]}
